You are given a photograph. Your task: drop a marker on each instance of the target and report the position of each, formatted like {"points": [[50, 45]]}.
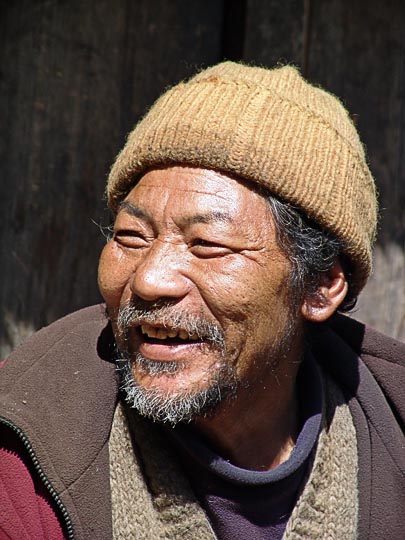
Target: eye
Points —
{"points": [[130, 238], [207, 250]]}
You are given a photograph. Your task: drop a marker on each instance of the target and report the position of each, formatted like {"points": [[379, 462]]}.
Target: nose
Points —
{"points": [[159, 274]]}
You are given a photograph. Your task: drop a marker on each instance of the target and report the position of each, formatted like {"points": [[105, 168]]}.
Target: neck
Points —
{"points": [[258, 429]]}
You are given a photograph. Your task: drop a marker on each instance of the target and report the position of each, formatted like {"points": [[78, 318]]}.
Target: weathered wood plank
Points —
{"points": [[274, 32], [233, 29], [75, 76], [357, 51]]}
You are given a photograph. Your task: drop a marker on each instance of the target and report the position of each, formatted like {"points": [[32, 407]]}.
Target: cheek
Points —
{"points": [[113, 274], [222, 288], [246, 293]]}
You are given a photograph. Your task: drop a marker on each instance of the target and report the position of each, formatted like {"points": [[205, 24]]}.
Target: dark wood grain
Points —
{"points": [[357, 51], [75, 77], [274, 32]]}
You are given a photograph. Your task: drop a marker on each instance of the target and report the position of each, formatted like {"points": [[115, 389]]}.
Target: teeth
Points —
{"points": [[183, 334], [163, 333], [149, 331]]}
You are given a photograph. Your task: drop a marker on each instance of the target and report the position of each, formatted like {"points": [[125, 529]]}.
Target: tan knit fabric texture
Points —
{"points": [[272, 128], [151, 498], [328, 506]]}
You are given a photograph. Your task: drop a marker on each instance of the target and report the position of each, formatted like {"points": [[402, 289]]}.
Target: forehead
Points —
{"points": [[185, 191]]}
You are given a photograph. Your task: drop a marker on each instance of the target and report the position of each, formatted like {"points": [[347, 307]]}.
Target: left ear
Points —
{"points": [[331, 293]]}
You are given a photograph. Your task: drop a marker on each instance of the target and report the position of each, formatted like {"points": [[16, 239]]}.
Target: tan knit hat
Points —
{"points": [[270, 127]]}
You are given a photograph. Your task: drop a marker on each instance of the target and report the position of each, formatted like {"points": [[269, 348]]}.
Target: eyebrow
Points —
{"points": [[133, 210], [209, 217]]}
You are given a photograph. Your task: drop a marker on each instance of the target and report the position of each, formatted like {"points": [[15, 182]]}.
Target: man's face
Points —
{"points": [[197, 291]]}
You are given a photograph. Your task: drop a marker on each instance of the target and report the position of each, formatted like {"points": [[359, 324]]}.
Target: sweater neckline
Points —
{"points": [[310, 402]]}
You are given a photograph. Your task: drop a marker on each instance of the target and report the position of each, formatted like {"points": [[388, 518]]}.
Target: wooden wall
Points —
{"points": [[76, 75]]}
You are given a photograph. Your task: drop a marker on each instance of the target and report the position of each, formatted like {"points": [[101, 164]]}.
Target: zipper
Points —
{"points": [[42, 476]]}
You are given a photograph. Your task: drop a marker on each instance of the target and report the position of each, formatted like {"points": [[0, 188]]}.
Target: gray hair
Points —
{"points": [[311, 250]]}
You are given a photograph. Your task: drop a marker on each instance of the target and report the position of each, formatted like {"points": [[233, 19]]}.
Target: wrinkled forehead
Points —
{"points": [[182, 190]]}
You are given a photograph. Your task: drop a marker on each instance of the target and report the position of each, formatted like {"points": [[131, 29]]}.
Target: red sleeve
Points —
{"points": [[26, 509]]}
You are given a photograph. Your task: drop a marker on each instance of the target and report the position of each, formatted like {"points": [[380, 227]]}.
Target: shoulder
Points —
{"points": [[91, 319], [58, 391], [368, 342], [67, 362], [383, 356], [82, 330]]}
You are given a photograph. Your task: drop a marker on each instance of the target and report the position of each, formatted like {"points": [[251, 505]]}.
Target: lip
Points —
{"points": [[168, 352], [164, 351]]}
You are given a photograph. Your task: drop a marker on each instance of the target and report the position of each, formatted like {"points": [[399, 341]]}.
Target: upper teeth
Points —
{"points": [[163, 333]]}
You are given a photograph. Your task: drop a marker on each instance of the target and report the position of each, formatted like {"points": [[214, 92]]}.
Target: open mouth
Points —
{"points": [[167, 336]]}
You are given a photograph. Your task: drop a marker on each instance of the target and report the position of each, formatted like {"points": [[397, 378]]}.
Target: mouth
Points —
{"points": [[159, 334], [167, 335], [159, 342]]}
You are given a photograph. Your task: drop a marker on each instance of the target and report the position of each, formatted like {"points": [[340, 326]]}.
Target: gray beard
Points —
{"points": [[179, 407], [184, 406]]}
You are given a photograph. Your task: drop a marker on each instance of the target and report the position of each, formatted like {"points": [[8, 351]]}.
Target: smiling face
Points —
{"points": [[197, 291]]}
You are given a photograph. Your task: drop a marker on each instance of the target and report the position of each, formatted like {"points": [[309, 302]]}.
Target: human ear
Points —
{"points": [[331, 293]]}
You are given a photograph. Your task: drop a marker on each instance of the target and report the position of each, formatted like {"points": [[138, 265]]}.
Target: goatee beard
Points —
{"points": [[222, 383], [176, 406]]}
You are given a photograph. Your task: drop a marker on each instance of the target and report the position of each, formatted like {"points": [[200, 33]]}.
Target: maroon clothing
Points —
{"points": [[26, 510], [59, 388], [59, 391]]}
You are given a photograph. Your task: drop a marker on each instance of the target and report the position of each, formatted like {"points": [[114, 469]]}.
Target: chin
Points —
{"points": [[166, 393]]}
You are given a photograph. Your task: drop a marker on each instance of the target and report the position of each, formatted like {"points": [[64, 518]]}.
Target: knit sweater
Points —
{"points": [[149, 487], [68, 365]]}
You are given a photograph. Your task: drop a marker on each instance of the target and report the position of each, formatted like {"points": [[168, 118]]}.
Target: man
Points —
{"points": [[244, 220]]}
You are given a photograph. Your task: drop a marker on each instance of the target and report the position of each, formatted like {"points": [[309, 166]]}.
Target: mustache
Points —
{"points": [[165, 313]]}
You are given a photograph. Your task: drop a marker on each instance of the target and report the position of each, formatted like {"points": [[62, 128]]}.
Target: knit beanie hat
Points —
{"points": [[270, 127]]}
